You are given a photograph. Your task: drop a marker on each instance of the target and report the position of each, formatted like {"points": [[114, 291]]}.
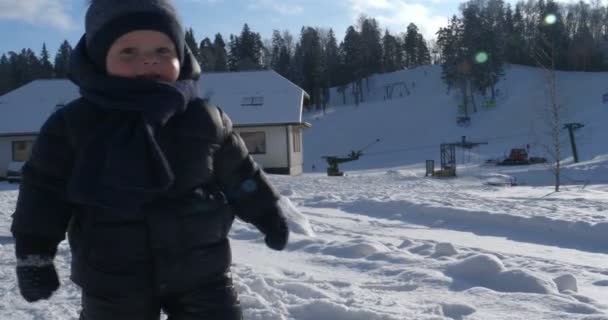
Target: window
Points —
{"points": [[252, 101], [22, 150], [255, 142], [297, 141]]}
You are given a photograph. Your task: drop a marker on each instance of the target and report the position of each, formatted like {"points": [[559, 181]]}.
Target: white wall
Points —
{"points": [[297, 158], [276, 146]]}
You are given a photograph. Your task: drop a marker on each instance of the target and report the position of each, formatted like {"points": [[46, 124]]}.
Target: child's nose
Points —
{"points": [[150, 58]]}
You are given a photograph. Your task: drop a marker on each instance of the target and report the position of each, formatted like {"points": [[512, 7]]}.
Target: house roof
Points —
{"points": [[254, 97], [247, 97], [25, 109]]}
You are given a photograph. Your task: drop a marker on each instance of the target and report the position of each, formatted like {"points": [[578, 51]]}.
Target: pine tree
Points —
{"points": [[284, 60], [46, 68], [33, 66], [554, 33], [410, 46], [352, 58], [332, 59], [233, 54], [391, 53], [312, 64], [582, 49], [221, 56], [207, 55], [5, 80], [456, 65], [493, 35], [517, 46], [62, 60], [295, 67], [192, 44], [277, 45], [371, 46], [249, 50], [423, 55]]}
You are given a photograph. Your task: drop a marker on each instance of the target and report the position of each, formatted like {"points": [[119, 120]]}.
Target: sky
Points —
{"points": [[29, 23]]}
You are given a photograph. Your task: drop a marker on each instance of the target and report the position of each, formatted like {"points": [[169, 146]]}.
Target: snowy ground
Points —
{"points": [[392, 244]]}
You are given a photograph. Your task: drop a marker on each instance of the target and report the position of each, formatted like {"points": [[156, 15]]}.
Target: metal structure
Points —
{"points": [[571, 128], [448, 156], [332, 162], [333, 170]]}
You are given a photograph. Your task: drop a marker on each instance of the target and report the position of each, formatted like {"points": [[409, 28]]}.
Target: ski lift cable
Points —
{"points": [[434, 146], [401, 150], [496, 138]]}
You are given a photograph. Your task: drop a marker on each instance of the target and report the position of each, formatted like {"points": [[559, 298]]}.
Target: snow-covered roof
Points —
{"points": [[255, 97], [25, 109]]}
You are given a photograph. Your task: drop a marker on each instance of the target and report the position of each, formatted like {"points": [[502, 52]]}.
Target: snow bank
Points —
{"points": [[354, 250], [573, 233], [488, 271], [566, 282]]}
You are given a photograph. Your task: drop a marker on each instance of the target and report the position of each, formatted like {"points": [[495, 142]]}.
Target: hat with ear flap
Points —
{"points": [[107, 20]]}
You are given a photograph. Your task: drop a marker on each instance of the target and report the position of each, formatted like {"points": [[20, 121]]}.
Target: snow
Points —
{"points": [[25, 109], [566, 282], [386, 242]]}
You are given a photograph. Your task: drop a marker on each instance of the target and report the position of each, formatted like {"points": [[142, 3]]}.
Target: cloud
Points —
{"points": [[47, 12], [396, 15], [280, 6]]}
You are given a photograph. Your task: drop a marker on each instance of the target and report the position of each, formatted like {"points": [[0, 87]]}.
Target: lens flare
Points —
{"points": [[481, 57]]}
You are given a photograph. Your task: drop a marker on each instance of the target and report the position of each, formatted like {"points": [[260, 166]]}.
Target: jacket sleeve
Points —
{"points": [[43, 210], [246, 186]]}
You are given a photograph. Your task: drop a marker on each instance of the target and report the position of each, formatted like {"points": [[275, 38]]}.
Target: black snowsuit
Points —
{"points": [[177, 243]]}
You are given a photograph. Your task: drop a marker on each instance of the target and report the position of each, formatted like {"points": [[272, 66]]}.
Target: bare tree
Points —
{"points": [[545, 56]]}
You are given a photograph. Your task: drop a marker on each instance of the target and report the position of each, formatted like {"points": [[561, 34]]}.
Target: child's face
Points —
{"points": [[143, 54]]}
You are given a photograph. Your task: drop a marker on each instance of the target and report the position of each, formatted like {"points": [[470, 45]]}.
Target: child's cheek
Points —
{"points": [[173, 70]]}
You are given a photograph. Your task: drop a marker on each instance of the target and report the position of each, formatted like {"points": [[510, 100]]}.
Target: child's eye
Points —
{"points": [[128, 51], [163, 50]]}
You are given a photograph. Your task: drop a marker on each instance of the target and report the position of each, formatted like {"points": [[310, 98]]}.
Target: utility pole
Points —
{"points": [[571, 127]]}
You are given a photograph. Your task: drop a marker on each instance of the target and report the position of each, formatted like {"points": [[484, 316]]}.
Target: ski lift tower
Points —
{"points": [[448, 156]]}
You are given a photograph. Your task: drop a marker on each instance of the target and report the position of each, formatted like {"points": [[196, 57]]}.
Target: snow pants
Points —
{"points": [[215, 301]]}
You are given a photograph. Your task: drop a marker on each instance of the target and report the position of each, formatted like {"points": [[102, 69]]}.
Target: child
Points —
{"points": [[143, 175]]}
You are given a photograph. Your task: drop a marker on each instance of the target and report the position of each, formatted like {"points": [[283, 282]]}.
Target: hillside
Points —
{"points": [[411, 127]]}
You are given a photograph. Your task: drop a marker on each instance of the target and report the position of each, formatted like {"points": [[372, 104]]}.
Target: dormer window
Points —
{"points": [[252, 101]]}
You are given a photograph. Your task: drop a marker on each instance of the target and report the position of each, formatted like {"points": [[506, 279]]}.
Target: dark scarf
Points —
{"points": [[122, 165]]}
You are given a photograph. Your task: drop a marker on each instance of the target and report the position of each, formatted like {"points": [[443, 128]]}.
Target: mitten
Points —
{"points": [[37, 277], [274, 226], [36, 274]]}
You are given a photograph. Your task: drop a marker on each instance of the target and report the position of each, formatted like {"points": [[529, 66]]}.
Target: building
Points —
{"points": [[265, 108], [22, 113]]}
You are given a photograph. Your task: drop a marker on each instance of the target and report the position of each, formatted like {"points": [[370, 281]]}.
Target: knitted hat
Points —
{"points": [[107, 20]]}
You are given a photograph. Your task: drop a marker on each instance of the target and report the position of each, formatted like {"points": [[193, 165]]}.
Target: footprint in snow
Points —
{"points": [[423, 249], [390, 286], [601, 283]]}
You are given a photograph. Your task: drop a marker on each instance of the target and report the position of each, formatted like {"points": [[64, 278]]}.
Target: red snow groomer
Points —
{"points": [[519, 156]]}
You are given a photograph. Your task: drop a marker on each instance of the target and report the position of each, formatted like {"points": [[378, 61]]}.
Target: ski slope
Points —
{"points": [[386, 242]]}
